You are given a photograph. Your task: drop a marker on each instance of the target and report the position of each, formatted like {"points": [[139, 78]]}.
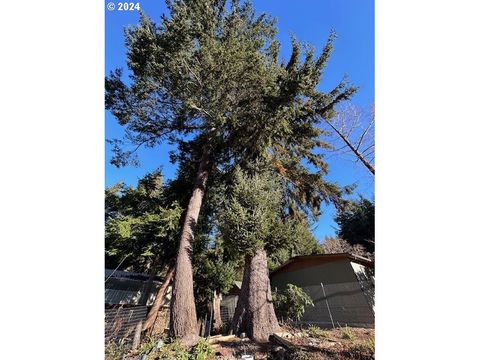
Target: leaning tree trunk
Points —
{"points": [[153, 313], [254, 313], [183, 316], [147, 289]]}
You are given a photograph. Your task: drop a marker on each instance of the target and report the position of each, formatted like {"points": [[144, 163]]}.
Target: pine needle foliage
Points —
{"points": [[291, 302], [357, 223], [249, 216], [140, 224], [210, 72]]}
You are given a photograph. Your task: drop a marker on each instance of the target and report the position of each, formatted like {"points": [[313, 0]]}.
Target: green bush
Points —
{"points": [[291, 302], [174, 350], [203, 351], [148, 345]]}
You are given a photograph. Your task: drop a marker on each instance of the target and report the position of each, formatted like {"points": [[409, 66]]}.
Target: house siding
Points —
{"points": [[341, 293]]}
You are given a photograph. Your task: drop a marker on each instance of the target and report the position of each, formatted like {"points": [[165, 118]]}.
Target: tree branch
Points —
{"points": [[355, 151]]}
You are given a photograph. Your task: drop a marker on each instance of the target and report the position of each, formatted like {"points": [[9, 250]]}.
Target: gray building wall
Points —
{"points": [[342, 294], [128, 291]]}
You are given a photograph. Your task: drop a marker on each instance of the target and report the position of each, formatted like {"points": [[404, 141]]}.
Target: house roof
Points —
{"points": [[119, 274], [312, 260]]}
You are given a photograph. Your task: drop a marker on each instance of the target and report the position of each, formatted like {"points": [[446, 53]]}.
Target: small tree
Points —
{"points": [[213, 272], [291, 302], [141, 232], [246, 223]]}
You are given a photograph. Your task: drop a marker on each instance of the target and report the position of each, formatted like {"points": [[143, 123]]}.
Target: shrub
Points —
{"points": [[203, 351], [174, 350], [291, 302], [148, 345]]}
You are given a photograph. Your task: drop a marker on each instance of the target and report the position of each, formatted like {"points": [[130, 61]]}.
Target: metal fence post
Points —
{"points": [[328, 307]]}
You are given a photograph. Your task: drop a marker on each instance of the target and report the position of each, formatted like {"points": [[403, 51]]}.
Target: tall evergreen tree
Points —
{"points": [[209, 73]]}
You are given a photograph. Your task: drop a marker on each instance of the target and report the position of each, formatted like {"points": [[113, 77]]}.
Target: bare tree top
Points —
{"points": [[354, 134]]}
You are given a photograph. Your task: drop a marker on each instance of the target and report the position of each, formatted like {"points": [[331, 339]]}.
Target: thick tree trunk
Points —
{"points": [[254, 313], [183, 316], [153, 313]]}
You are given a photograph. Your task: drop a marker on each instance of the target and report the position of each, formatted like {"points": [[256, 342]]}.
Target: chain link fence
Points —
{"points": [[120, 322], [227, 308], [335, 304], [341, 304]]}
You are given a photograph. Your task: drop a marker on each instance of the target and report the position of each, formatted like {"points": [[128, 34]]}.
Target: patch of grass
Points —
{"points": [[348, 334], [316, 332], [148, 345], [370, 344], [361, 351], [115, 351], [300, 355]]}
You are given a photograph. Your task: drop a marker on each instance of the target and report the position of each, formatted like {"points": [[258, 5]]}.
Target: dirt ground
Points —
{"points": [[307, 343], [289, 344]]}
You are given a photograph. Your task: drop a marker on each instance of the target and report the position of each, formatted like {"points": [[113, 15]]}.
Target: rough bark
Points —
{"points": [[153, 313], [254, 313], [183, 316], [217, 319], [138, 335]]}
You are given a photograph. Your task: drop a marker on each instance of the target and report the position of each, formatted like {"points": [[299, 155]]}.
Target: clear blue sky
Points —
{"points": [[310, 21]]}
